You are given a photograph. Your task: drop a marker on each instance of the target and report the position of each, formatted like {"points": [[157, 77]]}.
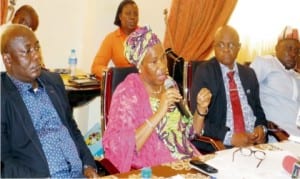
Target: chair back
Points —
{"points": [[278, 133], [204, 144], [181, 71], [190, 68], [176, 68], [110, 80]]}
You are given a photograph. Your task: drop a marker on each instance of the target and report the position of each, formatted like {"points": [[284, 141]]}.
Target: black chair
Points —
{"points": [[277, 132], [110, 80], [176, 68]]}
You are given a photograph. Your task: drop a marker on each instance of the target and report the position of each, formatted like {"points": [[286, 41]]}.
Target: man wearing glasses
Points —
{"points": [[280, 83], [235, 115]]}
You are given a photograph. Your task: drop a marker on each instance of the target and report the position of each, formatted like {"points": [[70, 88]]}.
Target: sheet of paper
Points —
{"points": [[245, 166], [293, 147]]}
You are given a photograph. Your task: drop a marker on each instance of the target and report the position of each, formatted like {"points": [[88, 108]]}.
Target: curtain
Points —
{"points": [[191, 25], [3, 8]]}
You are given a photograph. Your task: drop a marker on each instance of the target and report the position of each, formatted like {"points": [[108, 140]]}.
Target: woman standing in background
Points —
{"points": [[112, 48]]}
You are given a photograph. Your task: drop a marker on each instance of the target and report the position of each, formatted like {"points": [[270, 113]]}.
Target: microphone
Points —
{"points": [[170, 83], [291, 165]]}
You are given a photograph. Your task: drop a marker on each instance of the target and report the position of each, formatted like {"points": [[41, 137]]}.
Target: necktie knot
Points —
{"points": [[230, 75]]}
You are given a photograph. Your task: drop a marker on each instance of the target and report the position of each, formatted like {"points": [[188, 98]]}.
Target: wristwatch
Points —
{"points": [[264, 129]]}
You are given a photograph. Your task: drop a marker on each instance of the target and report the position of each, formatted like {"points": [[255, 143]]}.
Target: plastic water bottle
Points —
{"points": [[146, 173], [72, 62]]}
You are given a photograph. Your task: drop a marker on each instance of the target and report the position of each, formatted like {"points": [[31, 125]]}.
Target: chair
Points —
{"points": [[110, 80], [273, 129], [182, 71], [175, 68], [201, 142]]}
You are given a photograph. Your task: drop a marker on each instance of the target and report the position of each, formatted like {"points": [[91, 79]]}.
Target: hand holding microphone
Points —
{"points": [[172, 89]]}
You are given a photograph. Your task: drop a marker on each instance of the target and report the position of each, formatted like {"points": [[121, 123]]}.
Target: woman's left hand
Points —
{"points": [[90, 172], [203, 100]]}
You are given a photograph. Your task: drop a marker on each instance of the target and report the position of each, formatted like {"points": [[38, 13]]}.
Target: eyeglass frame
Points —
{"points": [[252, 152], [230, 46]]}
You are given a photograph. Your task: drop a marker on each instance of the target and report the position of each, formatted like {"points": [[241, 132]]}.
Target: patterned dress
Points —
{"points": [[175, 131]]}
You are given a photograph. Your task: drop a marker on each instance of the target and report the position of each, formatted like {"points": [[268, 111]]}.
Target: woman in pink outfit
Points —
{"points": [[145, 128]]}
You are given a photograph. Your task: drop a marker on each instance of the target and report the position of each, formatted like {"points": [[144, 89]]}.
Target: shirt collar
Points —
{"points": [[283, 67], [120, 33], [23, 86], [225, 69]]}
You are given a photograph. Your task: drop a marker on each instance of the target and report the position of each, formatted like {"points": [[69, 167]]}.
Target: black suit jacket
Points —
{"points": [[21, 151], [208, 74]]}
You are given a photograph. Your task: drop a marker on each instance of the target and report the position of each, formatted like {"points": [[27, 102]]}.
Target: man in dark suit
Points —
{"points": [[39, 137], [219, 118]]}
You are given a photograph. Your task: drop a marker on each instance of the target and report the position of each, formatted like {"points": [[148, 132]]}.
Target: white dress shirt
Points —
{"points": [[279, 92]]}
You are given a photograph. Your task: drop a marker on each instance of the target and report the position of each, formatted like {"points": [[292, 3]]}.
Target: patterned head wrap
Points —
{"points": [[289, 33], [137, 43]]}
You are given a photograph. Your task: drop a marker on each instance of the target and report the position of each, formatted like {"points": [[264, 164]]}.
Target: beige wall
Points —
{"points": [[82, 24]]}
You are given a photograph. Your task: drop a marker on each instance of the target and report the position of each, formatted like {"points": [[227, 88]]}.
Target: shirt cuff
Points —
{"points": [[228, 137]]}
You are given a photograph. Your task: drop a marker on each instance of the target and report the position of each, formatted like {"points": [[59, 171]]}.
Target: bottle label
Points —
{"points": [[73, 61]]}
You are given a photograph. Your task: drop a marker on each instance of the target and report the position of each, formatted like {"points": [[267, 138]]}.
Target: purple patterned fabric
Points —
{"points": [[137, 42]]}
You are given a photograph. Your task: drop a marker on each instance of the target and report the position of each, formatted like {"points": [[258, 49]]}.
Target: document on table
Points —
{"points": [[245, 166]]}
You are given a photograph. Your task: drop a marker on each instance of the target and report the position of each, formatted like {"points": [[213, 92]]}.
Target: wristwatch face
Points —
{"points": [[265, 129]]}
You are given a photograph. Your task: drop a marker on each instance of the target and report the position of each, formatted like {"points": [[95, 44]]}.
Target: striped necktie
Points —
{"points": [[238, 119]]}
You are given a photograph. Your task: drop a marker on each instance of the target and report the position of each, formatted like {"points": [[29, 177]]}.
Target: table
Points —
{"points": [[80, 95], [271, 166], [179, 168]]}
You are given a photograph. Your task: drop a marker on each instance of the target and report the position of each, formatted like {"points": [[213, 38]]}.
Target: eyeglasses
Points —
{"points": [[258, 154], [229, 46], [28, 51]]}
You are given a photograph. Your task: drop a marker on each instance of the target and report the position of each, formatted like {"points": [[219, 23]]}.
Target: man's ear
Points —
{"points": [[6, 59]]}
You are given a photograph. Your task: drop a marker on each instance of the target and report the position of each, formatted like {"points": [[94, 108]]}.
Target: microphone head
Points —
{"points": [[170, 83], [288, 163]]}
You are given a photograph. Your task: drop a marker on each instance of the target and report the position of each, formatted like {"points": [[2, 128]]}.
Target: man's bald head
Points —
{"points": [[11, 32], [21, 54], [226, 29], [226, 45]]}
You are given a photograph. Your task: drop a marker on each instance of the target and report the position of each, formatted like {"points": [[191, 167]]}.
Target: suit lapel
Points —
{"points": [[218, 78], [24, 118], [244, 77]]}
